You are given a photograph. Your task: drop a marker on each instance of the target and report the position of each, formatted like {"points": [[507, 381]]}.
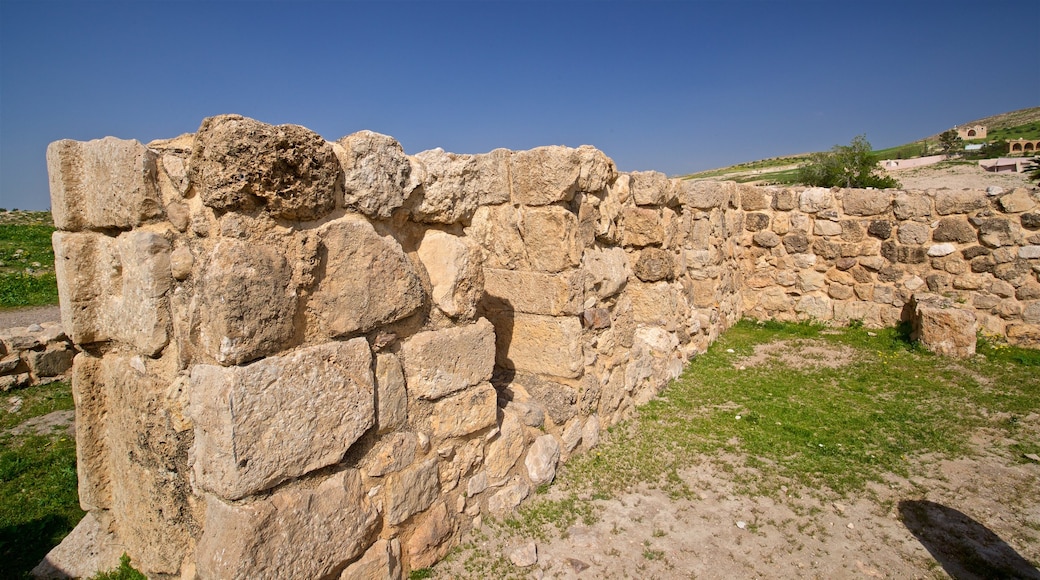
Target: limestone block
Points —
{"points": [[881, 229], [815, 307], [909, 206], [382, 561], [754, 222], [454, 266], [796, 243], [654, 264], [556, 399], [92, 465], [411, 491], [1027, 335], [590, 432], [703, 194], [913, 233], [289, 535], [240, 164], [654, 360], [428, 542], [441, 362], [542, 293], [463, 413], [369, 281], [1031, 221], [53, 361], [815, 199], [652, 188], [105, 183], [754, 198], [1017, 201], [866, 202], [546, 175], [954, 229], [997, 232], [541, 460], [392, 454], [246, 304], [852, 231], [377, 175], [941, 327], [939, 250], [496, 229], [88, 548], [508, 498], [391, 395], [766, 239], [949, 201], [279, 418], [658, 304], [550, 236], [453, 185], [1029, 252], [607, 271], [642, 226], [534, 343], [826, 228], [504, 451]]}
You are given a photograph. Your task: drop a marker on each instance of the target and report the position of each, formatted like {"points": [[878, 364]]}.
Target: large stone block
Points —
{"points": [[607, 270], [949, 201], [279, 418], [704, 194], [815, 199], [942, 328], [105, 183], [454, 186], [441, 362], [411, 491], [240, 164], [537, 292], [297, 533], [655, 264], [246, 302], [546, 175], [534, 343], [497, 230], [1017, 201], [541, 460], [642, 226], [454, 266], [652, 188], [377, 175], [382, 561], [550, 237], [954, 229], [866, 202], [369, 281], [391, 394], [463, 413], [658, 304], [429, 541]]}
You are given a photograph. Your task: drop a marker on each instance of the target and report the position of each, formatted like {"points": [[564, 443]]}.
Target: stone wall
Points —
{"points": [[35, 355], [304, 359]]}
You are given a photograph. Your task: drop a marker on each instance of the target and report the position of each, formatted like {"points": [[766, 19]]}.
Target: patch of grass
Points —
{"points": [[542, 516], [27, 260], [39, 504], [420, 574], [123, 572]]}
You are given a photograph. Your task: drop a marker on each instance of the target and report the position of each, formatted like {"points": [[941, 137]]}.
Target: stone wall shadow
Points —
{"points": [[964, 548]]}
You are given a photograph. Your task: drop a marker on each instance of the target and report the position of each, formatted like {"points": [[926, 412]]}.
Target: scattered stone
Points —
{"points": [[524, 556]]}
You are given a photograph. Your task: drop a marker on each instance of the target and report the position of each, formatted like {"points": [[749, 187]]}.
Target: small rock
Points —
{"points": [[577, 565], [1032, 456], [730, 350], [851, 526], [14, 404], [524, 556], [994, 190], [35, 328], [742, 525], [871, 333]]}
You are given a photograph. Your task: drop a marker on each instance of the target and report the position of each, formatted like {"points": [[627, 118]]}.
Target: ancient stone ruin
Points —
{"points": [[304, 359]]}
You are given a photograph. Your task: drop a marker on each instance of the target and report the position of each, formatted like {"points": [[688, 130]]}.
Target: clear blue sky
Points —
{"points": [[671, 86]]}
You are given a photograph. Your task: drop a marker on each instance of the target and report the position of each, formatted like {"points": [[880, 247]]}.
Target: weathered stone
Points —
{"points": [[866, 202], [815, 199], [508, 498], [590, 432], [942, 328], [939, 250], [652, 188], [546, 175], [525, 556], [288, 535], [913, 233], [997, 232], [428, 542], [105, 183], [441, 362], [391, 396], [377, 175], [382, 561], [754, 222], [703, 194], [654, 264], [177, 214], [954, 229], [1030, 221], [550, 237], [464, 413], [974, 252], [909, 206], [796, 243], [1017, 201], [654, 360], [960, 201], [369, 281], [53, 361], [815, 307], [1029, 252], [538, 292], [392, 454], [285, 416], [826, 228], [607, 271], [852, 231], [540, 344], [89, 547], [541, 460], [662, 304], [556, 399], [642, 226], [571, 437], [240, 164], [454, 185], [246, 311], [453, 264], [880, 229], [411, 491], [595, 318], [506, 449], [766, 239]]}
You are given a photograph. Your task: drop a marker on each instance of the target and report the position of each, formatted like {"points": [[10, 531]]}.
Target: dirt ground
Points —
{"points": [[958, 177], [976, 517], [26, 316]]}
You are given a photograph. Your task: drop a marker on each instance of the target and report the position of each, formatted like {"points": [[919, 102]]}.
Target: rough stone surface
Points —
{"points": [[429, 540], [411, 491], [239, 163], [454, 185], [279, 418], [288, 536], [391, 394], [550, 236], [541, 459], [453, 264], [537, 292], [654, 264], [377, 175], [441, 362], [508, 498], [607, 270], [88, 548], [546, 175], [545, 344], [866, 202], [504, 451], [382, 561], [942, 328], [464, 413]]}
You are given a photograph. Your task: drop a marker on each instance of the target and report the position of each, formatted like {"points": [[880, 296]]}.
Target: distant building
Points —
{"points": [[973, 132], [1005, 164], [1025, 146]]}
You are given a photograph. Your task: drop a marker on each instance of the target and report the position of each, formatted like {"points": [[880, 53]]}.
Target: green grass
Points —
{"points": [[1026, 131], [27, 258], [39, 504]]}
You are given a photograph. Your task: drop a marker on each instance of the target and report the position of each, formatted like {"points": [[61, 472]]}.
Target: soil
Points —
{"points": [[941, 175], [975, 517], [22, 317]]}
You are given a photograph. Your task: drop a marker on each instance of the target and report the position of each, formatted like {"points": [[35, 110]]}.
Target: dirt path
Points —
{"points": [[26, 316]]}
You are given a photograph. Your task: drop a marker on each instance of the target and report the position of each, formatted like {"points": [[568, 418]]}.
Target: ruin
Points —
{"points": [[312, 359]]}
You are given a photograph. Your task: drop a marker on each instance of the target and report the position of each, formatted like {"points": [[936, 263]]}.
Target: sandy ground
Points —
{"points": [[26, 316], [958, 177], [976, 517]]}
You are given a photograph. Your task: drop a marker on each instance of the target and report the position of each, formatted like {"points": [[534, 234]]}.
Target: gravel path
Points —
{"points": [[26, 316]]}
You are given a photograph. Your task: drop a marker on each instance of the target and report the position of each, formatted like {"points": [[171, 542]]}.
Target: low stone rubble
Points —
{"points": [[35, 355]]}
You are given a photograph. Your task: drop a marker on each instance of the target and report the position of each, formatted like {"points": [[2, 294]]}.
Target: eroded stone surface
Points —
{"points": [[441, 362]]}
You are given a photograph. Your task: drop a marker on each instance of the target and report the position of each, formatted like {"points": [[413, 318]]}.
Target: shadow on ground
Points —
{"points": [[965, 548]]}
